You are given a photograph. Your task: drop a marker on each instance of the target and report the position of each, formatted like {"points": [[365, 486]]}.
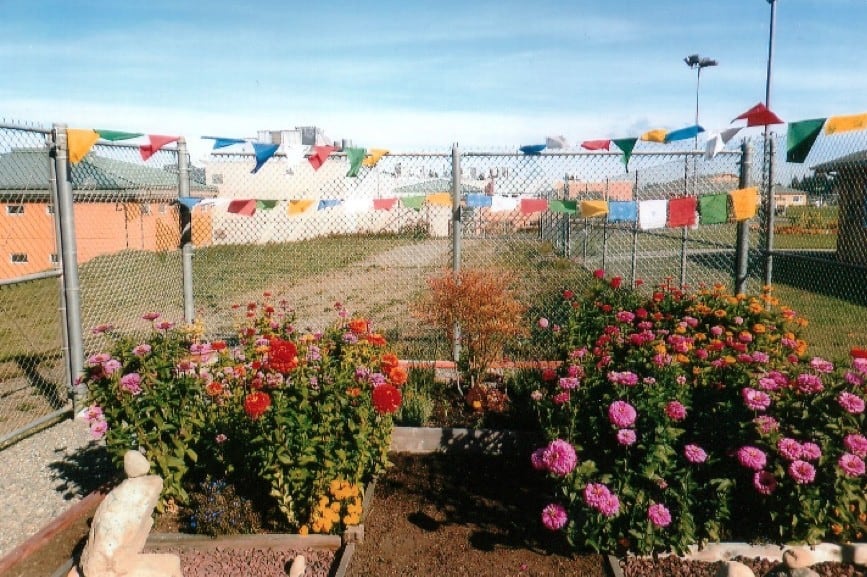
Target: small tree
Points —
{"points": [[482, 303]]}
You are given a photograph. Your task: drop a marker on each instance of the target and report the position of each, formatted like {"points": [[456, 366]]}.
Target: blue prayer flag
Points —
{"points": [[622, 211], [684, 133], [263, 152], [478, 200]]}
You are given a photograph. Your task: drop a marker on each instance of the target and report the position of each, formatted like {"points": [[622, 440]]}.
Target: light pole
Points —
{"points": [[769, 156], [697, 62]]}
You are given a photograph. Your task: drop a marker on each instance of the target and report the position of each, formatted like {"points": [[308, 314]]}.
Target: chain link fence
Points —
{"points": [[312, 237]]}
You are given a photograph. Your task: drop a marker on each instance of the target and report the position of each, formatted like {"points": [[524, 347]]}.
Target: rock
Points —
{"points": [[299, 564], [135, 464], [797, 558], [856, 553], [803, 572], [734, 569]]}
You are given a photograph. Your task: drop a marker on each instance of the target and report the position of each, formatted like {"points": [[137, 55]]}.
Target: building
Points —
{"points": [[850, 185], [784, 197]]}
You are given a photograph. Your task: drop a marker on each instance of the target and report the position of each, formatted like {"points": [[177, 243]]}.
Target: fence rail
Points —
{"points": [[102, 241]]}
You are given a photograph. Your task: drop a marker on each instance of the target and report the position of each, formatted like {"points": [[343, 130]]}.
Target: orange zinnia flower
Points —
{"points": [[388, 362], [376, 339], [397, 376], [359, 326]]}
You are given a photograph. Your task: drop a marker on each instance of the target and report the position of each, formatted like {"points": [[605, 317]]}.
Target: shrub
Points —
{"points": [[694, 417], [293, 410]]}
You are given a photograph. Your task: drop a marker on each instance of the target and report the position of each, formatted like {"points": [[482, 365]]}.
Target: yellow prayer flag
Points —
{"points": [[439, 199], [591, 208], [300, 205], [80, 141], [837, 124], [744, 202], [374, 156], [657, 135]]}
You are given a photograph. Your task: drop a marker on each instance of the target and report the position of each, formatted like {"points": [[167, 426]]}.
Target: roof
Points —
{"points": [[437, 185], [854, 161], [25, 170]]}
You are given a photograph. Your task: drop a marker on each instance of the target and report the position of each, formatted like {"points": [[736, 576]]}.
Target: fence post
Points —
{"points": [[770, 147], [58, 235], [456, 238], [742, 245], [186, 223], [69, 263]]}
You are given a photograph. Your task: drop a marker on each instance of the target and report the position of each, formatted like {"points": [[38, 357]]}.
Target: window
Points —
{"points": [[19, 257], [216, 179], [164, 208], [14, 209], [49, 209], [145, 208], [53, 258]]}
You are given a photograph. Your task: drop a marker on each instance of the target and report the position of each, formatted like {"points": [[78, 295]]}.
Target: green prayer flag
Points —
{"points": [[567, 206], [266, 204], [355, 156], [800, 138], [713, 208], [113, 135], [413, 202], [626, 145]]}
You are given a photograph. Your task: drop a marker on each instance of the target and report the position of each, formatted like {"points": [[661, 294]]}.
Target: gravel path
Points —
{"points": [[44, 475]]}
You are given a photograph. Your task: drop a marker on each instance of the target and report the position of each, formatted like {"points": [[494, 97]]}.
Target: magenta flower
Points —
{"points": [[98, 359], [111, 366], [852, 465], [807, 383], [610, 505], [626, 437], [694, 454], [675, 411], [820, 365], [141, 350], [860, 365], [554, 517], [98, 429], [164, 325], [755, 400], [569, 383], [811, 452], [659, 515], [131, 383], [543, 323], [93, 413], [766, 424], [561, 398], [595, 494], [752, 458], [802, 472], [627, 378], [151, 316], [853, 378], [537, 459], [764, 482], [856, 444], [851, 403], [789, 448], [621, 414], [560, 457]]}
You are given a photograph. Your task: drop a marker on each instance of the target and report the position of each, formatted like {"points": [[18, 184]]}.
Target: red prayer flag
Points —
{"points": [[531, 205], [596, 144], [157, 141], [384, 203], [245, 207], [319, 156], [759, 115], [682, 211]]}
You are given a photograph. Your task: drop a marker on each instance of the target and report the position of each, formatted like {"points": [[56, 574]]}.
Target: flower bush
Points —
{"points": [[277, 411], [698, 416]]}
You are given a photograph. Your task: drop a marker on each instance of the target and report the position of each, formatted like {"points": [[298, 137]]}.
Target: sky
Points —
{"points": [[417, 75]]}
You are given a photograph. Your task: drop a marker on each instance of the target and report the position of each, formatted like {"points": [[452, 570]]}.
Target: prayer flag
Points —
{"points": [[501, 203], [717, 142], [358, 205], [478, 200], [80, 141], [681, 211], [375, 155], [157, 141], [113, 135], [384, 203], [554, 142], [744, 202], [622, 211], [591, 208], [566, 206], [245, 207], [297, 206], [263, 152], [532, 149], [837, 124], [412, 202], [355, 156], [800, 138], [328, 203], [189, 201], [265, 204], [439, 199], [220, 142], [713, 208], [531, 205], [759, 115], [684, 133], [596, 144], [652, 214], [657, 135], [626, 145], [320, 155]]}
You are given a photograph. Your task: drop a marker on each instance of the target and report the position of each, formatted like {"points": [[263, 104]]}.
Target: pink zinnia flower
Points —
{"points": [[131, 383], [766, 424], [141, 350], [595, 494], [111, 366], [807, 383], [98, 359], [856, 444], [802, 472], [164, 325], [537, 459], [151, 316], [853, 378], [675, 411], [811, 451], [94, 413], [755, 400], [103, 328], [764, 482], [610, 505], [851, 403], [626, 437], [789, 448], [659, 515], [621, 414], [98, 429], [569, 383], [560, 457], [852, 465], [752, 458], [694, 454], [554, 517], [543, 323], [820, 365], [561, 398]]}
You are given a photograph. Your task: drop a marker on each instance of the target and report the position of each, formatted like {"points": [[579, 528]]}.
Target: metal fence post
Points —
{"points": [[456, 237], [742, 243], [186, 223], [770, 148], [69, 263]]}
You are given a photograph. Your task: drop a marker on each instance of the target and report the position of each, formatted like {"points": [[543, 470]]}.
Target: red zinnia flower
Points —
{"points": [[616, 282], [283, 356], [388, 362], [358, 326], [256, 403], [386, 398]]}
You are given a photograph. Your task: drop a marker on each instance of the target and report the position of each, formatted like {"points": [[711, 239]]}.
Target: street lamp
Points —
{"points": [[698, 62]]}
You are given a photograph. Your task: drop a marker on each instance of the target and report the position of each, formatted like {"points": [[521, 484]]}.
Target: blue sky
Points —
{"points": [[412, 75]]}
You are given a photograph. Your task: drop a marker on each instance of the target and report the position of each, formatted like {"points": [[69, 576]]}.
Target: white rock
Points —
{"points": [[802, 572], [856, 553], [135, 464], [797, 557], [299, 564], [734, 569]]}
